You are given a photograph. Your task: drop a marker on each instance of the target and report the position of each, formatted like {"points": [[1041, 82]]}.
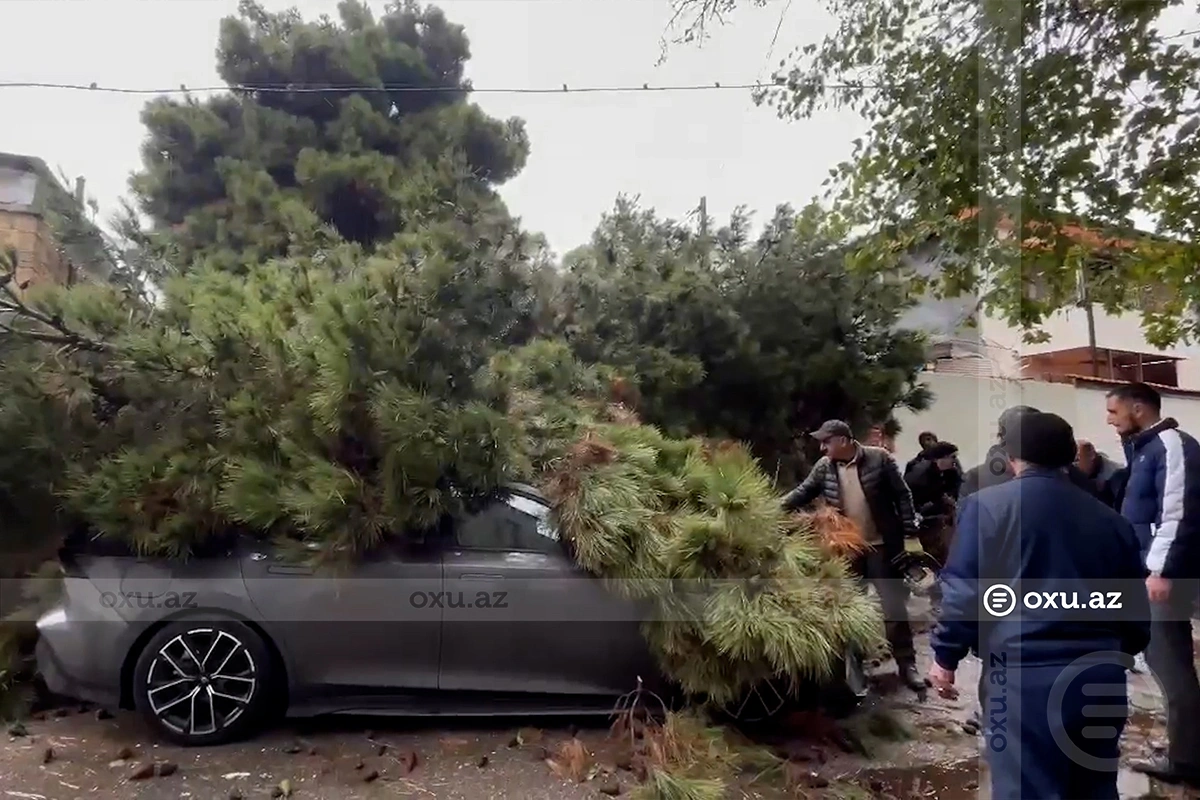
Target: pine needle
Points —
{"points": [[663, 785]]}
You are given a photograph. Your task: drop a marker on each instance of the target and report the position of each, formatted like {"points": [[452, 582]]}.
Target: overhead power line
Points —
{"points": [[1181, 34], [403, 89], [279, 88]]}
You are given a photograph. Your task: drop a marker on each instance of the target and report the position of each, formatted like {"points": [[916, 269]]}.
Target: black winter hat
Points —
{"points": [[1012, 418], [1044, 439], [940, 450]]}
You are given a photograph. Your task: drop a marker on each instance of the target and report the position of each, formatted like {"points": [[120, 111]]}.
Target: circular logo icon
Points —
{"points": [[999, 600], [1103, 715]]}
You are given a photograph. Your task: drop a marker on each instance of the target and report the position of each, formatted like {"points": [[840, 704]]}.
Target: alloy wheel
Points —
{"points": [[761, 702], [201, 681]]}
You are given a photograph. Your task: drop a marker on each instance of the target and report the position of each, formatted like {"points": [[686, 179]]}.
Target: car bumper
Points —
{"points": [[69, 663]]}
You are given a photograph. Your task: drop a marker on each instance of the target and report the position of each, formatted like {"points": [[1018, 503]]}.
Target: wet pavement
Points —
{"points": [[927, 752], [93, 758]]}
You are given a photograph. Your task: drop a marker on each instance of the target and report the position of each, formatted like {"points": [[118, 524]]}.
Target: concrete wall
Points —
{"points": [[965, 410]]}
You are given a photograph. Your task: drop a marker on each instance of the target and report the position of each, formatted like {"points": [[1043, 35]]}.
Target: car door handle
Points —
{"points": [[481, 576], [282, 570]]}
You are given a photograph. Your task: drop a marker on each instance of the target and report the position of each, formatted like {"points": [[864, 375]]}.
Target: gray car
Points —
{"points": [[489, 616]]}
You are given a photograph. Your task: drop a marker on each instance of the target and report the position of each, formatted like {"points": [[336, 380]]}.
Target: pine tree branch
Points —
{"points": [[51, 338], [63, 335]]}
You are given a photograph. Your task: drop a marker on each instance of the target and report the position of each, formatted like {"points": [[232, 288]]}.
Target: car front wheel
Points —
{"points": [[204, 682]]}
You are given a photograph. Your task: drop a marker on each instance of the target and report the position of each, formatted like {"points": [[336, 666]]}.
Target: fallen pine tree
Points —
{"points": [[745, 593], [330, 407]]}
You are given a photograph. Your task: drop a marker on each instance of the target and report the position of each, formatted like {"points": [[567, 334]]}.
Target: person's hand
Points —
{"points": [[1159, 588], [943, 681]]}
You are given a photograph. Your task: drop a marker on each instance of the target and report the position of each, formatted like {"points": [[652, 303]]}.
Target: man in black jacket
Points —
{"points": [[1106, 475], [926, 440], [996, 468], [865, 484], [934, 482]]}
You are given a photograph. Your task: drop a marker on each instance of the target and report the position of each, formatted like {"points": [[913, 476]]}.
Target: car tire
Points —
{"points": [[225, 697]]}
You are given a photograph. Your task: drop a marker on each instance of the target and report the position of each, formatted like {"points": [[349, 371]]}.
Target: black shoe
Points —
{"points": [[1161, 769], [912, 679]]}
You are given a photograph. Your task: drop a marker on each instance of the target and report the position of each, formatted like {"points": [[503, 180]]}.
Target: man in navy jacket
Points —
{"points": [[1162, 500], [1045, 735]]}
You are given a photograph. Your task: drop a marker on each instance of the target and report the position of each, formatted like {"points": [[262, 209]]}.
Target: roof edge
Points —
{"points": [[1114, 382]]}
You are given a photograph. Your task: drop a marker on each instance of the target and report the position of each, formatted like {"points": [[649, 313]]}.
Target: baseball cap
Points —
{"points": [[832, 428]]}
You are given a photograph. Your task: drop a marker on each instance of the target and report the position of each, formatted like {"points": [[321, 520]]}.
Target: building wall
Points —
{"points": [[956, 320], [1068, 329], [966, 408], [38, 258]]}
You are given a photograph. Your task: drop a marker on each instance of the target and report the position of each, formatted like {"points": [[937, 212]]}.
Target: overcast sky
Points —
{"points": [[668, 147]]}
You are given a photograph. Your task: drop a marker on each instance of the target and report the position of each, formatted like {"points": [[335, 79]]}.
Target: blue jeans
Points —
{"points": [[1027, 758]]}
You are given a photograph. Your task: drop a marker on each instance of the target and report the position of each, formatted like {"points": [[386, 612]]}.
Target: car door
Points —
{"points": [[357, 629], [520, 616]]}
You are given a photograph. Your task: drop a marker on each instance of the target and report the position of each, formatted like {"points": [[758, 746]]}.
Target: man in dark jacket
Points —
{"points": [[1162, 500], [865, 484], [926, 440], [1046, 735], [934, 482], [1102, 471], [996, 468]]}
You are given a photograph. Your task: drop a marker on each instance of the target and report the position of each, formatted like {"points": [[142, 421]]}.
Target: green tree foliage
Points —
{"points": [[743, 593], [275, 168], [326, 400], [1032, 113], [758, 339], [350, 339]]}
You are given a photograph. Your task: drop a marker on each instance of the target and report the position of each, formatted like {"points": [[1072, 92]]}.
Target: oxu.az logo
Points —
{"points": [[148, 599], [459, 600], [1088, 698]]}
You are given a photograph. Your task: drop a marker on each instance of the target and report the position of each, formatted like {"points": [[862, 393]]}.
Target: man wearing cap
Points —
{"points": [[934, 483], [865, 484], [1055, 696]]}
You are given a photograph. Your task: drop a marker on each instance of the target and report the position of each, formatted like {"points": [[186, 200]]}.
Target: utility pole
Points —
{"points": [[704, 231]]}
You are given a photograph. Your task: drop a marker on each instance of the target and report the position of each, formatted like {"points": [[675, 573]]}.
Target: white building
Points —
{"points": [[980, 365], [967, 341]]}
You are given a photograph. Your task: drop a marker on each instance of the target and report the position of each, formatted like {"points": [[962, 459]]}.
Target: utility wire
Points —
{"points": [[280, 88], [1180, 35], [402, 89]]}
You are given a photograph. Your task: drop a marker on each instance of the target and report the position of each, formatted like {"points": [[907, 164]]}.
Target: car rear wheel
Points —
{"points": [[204, 682]]}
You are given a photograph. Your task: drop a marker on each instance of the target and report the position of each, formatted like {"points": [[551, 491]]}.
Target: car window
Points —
{"points": [[515, 523]]}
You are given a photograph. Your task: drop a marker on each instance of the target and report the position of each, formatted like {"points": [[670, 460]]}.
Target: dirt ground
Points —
{"points": [[71, 754]]}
